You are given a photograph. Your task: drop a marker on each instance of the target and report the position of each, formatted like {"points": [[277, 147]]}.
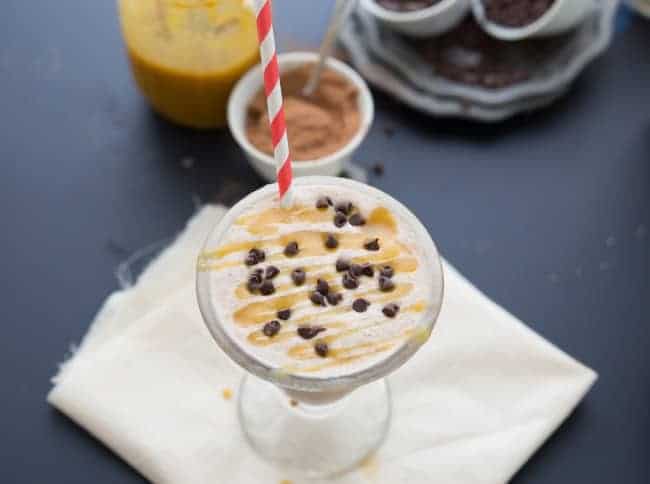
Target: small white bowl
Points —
{"points": [[249, 85], [562, 16], [433, 20]]}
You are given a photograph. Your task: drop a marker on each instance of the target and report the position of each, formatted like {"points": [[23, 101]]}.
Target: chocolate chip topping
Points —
{"points": [[342, 265], [390, 310], [372, 245], [255, 280], [256, 276], [298, 276], [349, 281], [516, 13], [334, 298], [322, 203], [291, 249], [357, 220], [360, 305], [271, 272], [321, 349], [317, 298], [386, 284], [367, 270], [344, 207], [267, 288], [331, 242], [254, 256], [253, 287], [250, 260], [387, 271], [284, 314], [340, 219], [271, 328], [309, 332], [356, 270], [322, 286]]}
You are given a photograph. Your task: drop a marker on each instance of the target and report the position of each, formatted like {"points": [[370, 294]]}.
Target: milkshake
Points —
{"points": [[343, 286]]}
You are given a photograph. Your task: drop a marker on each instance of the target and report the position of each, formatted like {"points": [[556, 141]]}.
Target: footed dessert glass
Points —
{"points": [[317, 426]]}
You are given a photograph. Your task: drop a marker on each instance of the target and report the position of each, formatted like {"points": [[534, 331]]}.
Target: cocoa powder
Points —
{"points": [[318, 125]]}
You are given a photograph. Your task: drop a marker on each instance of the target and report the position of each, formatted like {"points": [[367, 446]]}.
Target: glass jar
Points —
{"points": [[186, 55]]}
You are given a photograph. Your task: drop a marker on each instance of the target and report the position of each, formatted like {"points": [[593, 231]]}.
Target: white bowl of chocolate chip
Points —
{"points": [[418, 18], [324, 138], [508, 20]]}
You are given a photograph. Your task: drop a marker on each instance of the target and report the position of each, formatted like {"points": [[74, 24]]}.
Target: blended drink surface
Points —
{"points": [[328, 287]]}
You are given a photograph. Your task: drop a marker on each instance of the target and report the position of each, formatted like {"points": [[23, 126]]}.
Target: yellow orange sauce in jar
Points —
{"points": [[186, 55]]}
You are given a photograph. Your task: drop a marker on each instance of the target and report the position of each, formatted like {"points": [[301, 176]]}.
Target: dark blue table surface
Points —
{"points": [[548, 213]]}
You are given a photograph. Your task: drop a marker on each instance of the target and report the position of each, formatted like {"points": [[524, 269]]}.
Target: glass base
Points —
{"points": [[315, 441]]}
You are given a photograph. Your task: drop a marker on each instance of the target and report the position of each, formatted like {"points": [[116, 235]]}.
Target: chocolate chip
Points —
{"points": [[360, 305], [250, 260], [322, 203], [284, 314], [291, 249], [256, 276], [321, 349], [271, 272], [261, 255], [309, 332], [387, 271], [253, 287], [331, 242], [255, 280], [334, 298], [356, 270], [386, 284], [367, 270], [349, 281], [357, 220], [340, 219], [372, 245], [267, 288], [271, 328], [378, 169], [342, 265], [317, 298], [322, 286], [390, 310], [298, 276], [344, 207]]}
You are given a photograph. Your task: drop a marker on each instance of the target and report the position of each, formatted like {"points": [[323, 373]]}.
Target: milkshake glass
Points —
{"points": [[318, 303]]}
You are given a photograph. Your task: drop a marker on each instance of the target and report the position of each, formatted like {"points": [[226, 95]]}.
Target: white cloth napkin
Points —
{"points": [[471, 407]]}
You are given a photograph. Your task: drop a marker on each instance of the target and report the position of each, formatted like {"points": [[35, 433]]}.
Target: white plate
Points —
{"points": [[389, 81], [559, 70]]}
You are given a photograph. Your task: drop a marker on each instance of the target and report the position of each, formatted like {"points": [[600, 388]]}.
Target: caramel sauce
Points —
{"points": [[265, 225]]}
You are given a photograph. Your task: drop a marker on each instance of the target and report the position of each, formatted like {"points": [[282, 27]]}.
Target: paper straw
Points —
{"points": [[274, 102]]}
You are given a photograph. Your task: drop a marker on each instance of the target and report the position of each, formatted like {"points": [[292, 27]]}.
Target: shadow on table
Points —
{"points": [[211, 161]]}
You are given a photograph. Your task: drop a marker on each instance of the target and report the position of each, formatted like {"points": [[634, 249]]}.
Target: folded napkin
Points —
{"points": [[470, 407]]}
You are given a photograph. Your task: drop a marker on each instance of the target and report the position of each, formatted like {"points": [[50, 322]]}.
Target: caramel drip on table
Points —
{"points": [[266, 225]]}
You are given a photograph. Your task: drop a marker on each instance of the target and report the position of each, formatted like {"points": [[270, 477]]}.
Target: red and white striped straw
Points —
{"points": [[274, 102]]}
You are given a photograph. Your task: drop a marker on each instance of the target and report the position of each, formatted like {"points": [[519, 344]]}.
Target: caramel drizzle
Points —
{"points": [[266, 224], [262, 311]]}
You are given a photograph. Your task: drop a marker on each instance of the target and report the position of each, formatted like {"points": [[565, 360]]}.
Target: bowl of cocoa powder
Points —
{"points": [[521, 19], [324, 129]]}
